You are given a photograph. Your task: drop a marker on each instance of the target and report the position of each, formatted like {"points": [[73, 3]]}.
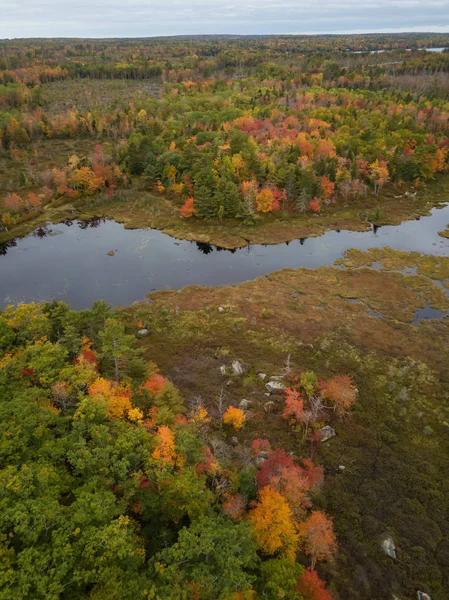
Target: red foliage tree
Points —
{"points": [[260, 445], [234, 506], [313, 473], [273, 467], [315, 205], [311, 587]]}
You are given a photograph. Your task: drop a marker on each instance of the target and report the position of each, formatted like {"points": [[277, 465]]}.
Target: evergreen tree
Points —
{"points": [[204, 194], [151, 173], [228, 197]]}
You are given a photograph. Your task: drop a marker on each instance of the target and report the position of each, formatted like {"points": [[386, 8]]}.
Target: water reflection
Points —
{"points": [[41, 232], [5, 245], [94, 222], [204, 247], [82, 261]]}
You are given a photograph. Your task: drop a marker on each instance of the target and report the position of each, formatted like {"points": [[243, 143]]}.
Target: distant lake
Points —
{"points": [[392, 50]]}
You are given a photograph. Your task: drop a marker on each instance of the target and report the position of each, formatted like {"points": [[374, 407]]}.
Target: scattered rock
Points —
{"points": [[327, 433], [268, 406], [223, 369], [111, 253], [220, 309], [388, 547], [274, 386], [423, 596], [142, 333], [234, 441], [259, 461], [262, 376], [244, 404], [263, 454], [277, 378], [324, 344], [239, 368], [341, 468], [267, 394]]}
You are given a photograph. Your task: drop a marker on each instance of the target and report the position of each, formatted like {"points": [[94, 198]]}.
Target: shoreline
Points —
{"points": [[144, 210]]}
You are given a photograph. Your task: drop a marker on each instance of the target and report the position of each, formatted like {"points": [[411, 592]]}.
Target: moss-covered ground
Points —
{"points": [[386, 468]]}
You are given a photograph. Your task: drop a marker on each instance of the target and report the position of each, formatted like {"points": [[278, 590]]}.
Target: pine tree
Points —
{"points": [[151, 172], [204, 194], [228, 197]]}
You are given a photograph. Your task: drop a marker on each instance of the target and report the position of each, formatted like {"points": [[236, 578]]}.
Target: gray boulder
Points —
{"points": [[244, 404], [142, 333], [238, 368], [388, 547], [423, 596], [274, 386], [327, 433]]}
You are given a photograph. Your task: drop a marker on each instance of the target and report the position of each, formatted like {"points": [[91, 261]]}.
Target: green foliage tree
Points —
{"points": [[217, 559]]}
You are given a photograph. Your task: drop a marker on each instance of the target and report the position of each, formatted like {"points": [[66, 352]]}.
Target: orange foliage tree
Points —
{"points": [[116, 397], [155, 384], [328, 187], [341, 391], [165, 449], [318, 537], [294, 406], [294, 487], [187, 209]]}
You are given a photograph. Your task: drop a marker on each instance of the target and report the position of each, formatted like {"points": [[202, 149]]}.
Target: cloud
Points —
{"points": [[140, 18]]}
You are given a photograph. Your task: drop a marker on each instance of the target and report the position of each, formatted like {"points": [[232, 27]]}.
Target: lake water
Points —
{"points": [[70, 261], [407, 50]]}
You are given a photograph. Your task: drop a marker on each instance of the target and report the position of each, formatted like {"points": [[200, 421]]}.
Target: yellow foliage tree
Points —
{"points": [[273, 524], [264, 200], [234, 417]]}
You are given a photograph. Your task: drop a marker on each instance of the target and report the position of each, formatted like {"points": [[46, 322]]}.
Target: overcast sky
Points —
{"points": [[139, 18]]}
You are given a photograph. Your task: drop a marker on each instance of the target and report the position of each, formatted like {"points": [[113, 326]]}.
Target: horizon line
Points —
{"points": [[359, 33]]}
